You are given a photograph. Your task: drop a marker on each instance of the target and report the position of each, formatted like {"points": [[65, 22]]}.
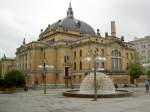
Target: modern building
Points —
{"points": [[142, 46], [64, 45]]}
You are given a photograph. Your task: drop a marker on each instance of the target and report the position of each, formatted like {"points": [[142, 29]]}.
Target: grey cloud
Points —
{"points": [[25, 18]]}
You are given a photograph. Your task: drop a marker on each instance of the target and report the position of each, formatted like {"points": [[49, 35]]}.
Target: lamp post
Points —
{"points": [[45, 67], [25, 74], [95, 58]]}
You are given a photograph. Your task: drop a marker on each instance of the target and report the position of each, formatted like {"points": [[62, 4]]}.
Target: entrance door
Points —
{"points": [[66, 76]]}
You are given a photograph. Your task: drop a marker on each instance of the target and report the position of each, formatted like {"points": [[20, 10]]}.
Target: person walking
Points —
{"points": [[146, 82], [116, 86]]}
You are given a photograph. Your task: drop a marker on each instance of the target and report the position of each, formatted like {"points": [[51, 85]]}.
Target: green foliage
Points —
{"points": [[136, 58], [148, 72], [135, 68], [14, 78]]}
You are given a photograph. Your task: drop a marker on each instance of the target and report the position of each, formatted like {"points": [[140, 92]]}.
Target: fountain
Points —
{"points": [[105, 88], [104, 84]]}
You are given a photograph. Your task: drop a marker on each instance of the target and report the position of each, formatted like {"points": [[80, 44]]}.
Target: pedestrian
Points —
{"points": [[116, 86], [25, 88], [146, 83]]}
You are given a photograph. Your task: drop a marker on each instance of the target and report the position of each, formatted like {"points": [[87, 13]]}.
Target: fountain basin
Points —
{"points": [[77, 94], [104, 84]]}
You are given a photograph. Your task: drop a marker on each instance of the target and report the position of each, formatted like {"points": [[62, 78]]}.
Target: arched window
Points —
{"points": [[80, 53], [103, 64], [116, 59], [80, 65], [74, 54]]}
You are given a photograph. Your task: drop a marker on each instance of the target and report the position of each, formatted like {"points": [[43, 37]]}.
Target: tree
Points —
{"points": [[14, 78], [2, 82], [135, 68], [148, 72]]}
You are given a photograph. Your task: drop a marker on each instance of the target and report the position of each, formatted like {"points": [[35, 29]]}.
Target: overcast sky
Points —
{"points": [[24, 18]]}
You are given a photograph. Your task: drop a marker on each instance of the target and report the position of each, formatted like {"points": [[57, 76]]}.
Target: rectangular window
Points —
{"points": [[67, 58], [80, 65], [74, 79], [116, 62], [80, 53], [74, 65], [74, 54]]}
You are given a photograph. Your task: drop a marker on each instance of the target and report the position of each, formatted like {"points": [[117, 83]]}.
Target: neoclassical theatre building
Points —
{"points": [[64, 45]]}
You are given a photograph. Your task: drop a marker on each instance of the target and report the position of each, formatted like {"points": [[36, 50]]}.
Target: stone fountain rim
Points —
{"points": [[121, 93]]}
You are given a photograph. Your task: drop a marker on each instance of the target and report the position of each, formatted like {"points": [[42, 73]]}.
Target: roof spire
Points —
{"points": [[4, 57], [24, 41], [70, 4], [70, 12]]}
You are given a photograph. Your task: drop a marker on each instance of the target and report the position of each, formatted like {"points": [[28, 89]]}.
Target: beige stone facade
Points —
{"points": [[7, 65], [64, 45]]}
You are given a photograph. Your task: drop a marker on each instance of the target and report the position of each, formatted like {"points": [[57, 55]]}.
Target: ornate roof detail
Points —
{"points": [[24, 41]]}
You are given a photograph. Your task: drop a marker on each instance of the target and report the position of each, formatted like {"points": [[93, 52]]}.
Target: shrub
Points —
{"points": [[14, 78], [2, 81]]}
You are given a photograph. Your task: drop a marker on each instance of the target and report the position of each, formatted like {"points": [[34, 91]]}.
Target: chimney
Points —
{"points": [[113, 29]]}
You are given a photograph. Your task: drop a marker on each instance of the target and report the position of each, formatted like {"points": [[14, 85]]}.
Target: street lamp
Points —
{"points": [[96, 59], [45, 67]]}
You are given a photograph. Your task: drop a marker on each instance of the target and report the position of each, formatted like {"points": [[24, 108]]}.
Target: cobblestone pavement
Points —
{"points": [[53, 101]]}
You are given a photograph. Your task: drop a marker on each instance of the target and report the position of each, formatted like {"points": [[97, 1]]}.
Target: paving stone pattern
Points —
{"points": [[53, 101]]}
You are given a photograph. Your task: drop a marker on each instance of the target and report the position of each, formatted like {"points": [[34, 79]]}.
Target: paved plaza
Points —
{"points": [[53, 101]]}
